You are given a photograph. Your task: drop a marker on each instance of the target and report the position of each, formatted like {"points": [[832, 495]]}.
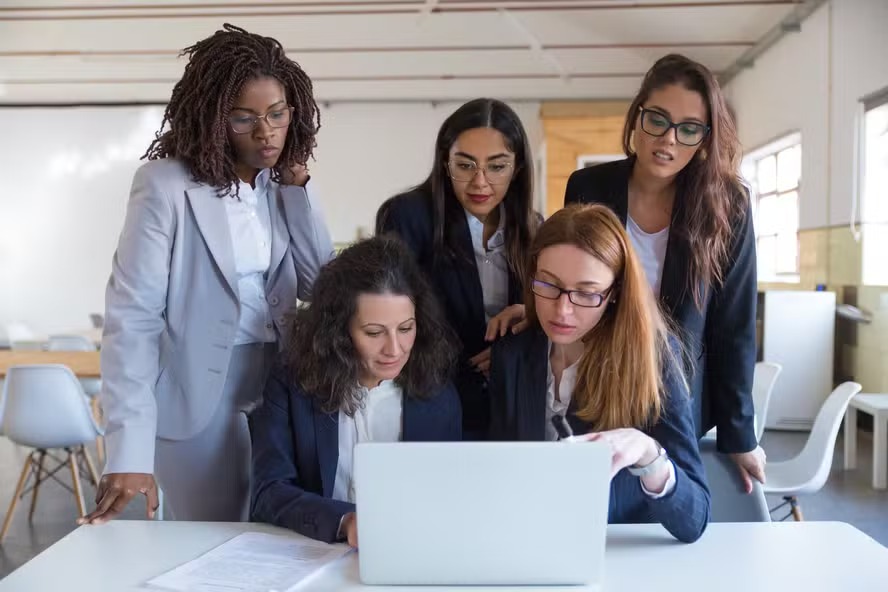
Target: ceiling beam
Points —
{"points": [[340, 8], [49, 53]]}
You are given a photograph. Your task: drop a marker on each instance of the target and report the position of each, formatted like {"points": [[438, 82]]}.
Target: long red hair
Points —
{"points": [[619, 380]]}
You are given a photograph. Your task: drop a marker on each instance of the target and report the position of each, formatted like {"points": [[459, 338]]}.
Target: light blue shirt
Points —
{"points": [[493, 267]]}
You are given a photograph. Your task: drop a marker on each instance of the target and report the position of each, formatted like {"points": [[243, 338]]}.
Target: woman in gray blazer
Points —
{"points": [[221, 238]]}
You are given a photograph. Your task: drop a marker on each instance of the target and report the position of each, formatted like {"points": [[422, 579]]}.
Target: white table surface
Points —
{"points": [[809, 556]]}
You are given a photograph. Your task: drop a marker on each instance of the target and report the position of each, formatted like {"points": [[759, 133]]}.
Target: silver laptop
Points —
{"points": [[482, 513]]}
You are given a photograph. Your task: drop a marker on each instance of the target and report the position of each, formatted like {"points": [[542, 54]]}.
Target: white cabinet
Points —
{"points": [[797, 331]]}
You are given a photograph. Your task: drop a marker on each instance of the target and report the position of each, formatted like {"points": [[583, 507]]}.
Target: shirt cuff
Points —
{"points": [[667, 488]]}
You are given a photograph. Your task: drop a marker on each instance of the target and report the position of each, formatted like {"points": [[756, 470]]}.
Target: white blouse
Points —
{"points": [[378, 420], [493, 266]]}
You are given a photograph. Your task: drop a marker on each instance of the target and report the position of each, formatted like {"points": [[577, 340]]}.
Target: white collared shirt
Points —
{"points": [[493, 267], [249, 223], [378, 420], [651, 249], [558, 406]]}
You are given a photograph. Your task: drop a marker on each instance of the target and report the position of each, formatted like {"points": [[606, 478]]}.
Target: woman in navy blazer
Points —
{"points": [[368, 361], [690, 219], [469, 225], [598, 357]]}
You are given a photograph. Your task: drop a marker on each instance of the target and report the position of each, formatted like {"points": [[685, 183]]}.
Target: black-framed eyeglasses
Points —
{"points": [[687, 133], [244, 124], [464, 170], [578, 297]]}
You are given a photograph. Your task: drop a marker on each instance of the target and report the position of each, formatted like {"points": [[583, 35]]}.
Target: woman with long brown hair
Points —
{"points": [[689, 218], [597, 355]]}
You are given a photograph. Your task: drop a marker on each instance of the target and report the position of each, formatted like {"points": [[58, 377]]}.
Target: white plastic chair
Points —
{"points": [[763, 382], [91, 386], [807, 472], [45, 409]]}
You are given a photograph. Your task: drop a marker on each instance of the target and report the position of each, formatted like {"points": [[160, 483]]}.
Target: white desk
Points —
{"points": [[877, 406], [811, 556]]}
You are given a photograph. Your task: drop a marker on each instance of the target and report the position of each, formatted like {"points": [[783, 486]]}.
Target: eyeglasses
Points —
{"points": [[464, 171], [577, 297], [244, 124], [687, 133]]}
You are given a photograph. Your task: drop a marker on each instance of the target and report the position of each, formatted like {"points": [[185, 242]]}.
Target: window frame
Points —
{"points": [[750, 167]]}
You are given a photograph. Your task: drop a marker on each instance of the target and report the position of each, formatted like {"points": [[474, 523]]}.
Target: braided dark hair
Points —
{"points": [[198, 111]]}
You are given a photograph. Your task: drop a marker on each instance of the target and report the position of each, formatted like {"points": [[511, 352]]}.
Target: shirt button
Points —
{"points": [[268, 325]]}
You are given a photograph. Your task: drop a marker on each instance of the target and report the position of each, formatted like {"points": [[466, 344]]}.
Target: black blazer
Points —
{"points": [[296, 450], [518, 393], [458, 286], [719, 340]]}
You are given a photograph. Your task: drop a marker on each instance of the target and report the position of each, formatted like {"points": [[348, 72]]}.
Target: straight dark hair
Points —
{"points": [[521, 220], [320, 355], [711, 200]]}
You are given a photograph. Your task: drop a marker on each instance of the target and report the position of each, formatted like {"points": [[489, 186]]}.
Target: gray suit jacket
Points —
{"points": [[171, 305]]}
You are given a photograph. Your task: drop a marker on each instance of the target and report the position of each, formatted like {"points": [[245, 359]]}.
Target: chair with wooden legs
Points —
{"points": [[46, 410], [809, 470], [91, 386]]}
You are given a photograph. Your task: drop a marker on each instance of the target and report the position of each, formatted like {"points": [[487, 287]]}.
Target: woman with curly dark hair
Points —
{"points": [[221, 237], [367, 361]]}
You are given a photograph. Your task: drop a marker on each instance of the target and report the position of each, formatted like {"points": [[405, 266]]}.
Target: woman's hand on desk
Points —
{"points": [[116, 490], [751, 466], [349, 529]]}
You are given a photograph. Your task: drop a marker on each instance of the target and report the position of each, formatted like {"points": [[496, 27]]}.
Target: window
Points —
{"points": [[874, 202], [774, 174]]}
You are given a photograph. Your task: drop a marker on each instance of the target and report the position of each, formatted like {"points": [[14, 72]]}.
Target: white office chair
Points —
{"points": [[763, 381], [91, 386], [45, 409], [807, 472]]}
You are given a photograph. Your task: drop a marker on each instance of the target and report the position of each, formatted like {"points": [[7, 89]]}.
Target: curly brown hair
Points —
{"points": [[320, 355], [198, 111]]}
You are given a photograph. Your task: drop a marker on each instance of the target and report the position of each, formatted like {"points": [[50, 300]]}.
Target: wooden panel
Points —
{"points": [[83, 364], [572, 130]]}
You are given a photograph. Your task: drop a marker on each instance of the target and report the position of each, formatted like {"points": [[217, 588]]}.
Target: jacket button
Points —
{"points": [[274, 301]]}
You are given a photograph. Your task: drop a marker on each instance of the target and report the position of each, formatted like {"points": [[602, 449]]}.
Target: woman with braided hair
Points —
{"points": [[221, 238]]}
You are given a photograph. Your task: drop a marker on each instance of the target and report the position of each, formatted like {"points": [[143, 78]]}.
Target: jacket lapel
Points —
{"points": [[212, 221], [327, 442], [280, 235], [470, 280], [532, 384]]}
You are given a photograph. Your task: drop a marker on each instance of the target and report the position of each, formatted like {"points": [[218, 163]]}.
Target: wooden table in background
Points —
{"points": [[83, 364]]}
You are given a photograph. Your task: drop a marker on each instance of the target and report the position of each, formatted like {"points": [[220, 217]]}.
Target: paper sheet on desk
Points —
{"points": [[251, 562]]}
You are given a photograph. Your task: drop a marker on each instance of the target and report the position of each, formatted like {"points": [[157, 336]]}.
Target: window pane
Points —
{"points": [[768, 215], [787, 253], [766, 175], [789, 168], [766, 254], [788, 212]]}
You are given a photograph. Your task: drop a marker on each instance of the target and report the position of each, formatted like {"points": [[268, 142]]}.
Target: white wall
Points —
{"points": [[812, 82], [368, 152], [68, 172]]}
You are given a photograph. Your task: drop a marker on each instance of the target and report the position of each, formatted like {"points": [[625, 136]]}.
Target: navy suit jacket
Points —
{"points": [[458, 286], [719, 339], [296, 450], [518, 398]]}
